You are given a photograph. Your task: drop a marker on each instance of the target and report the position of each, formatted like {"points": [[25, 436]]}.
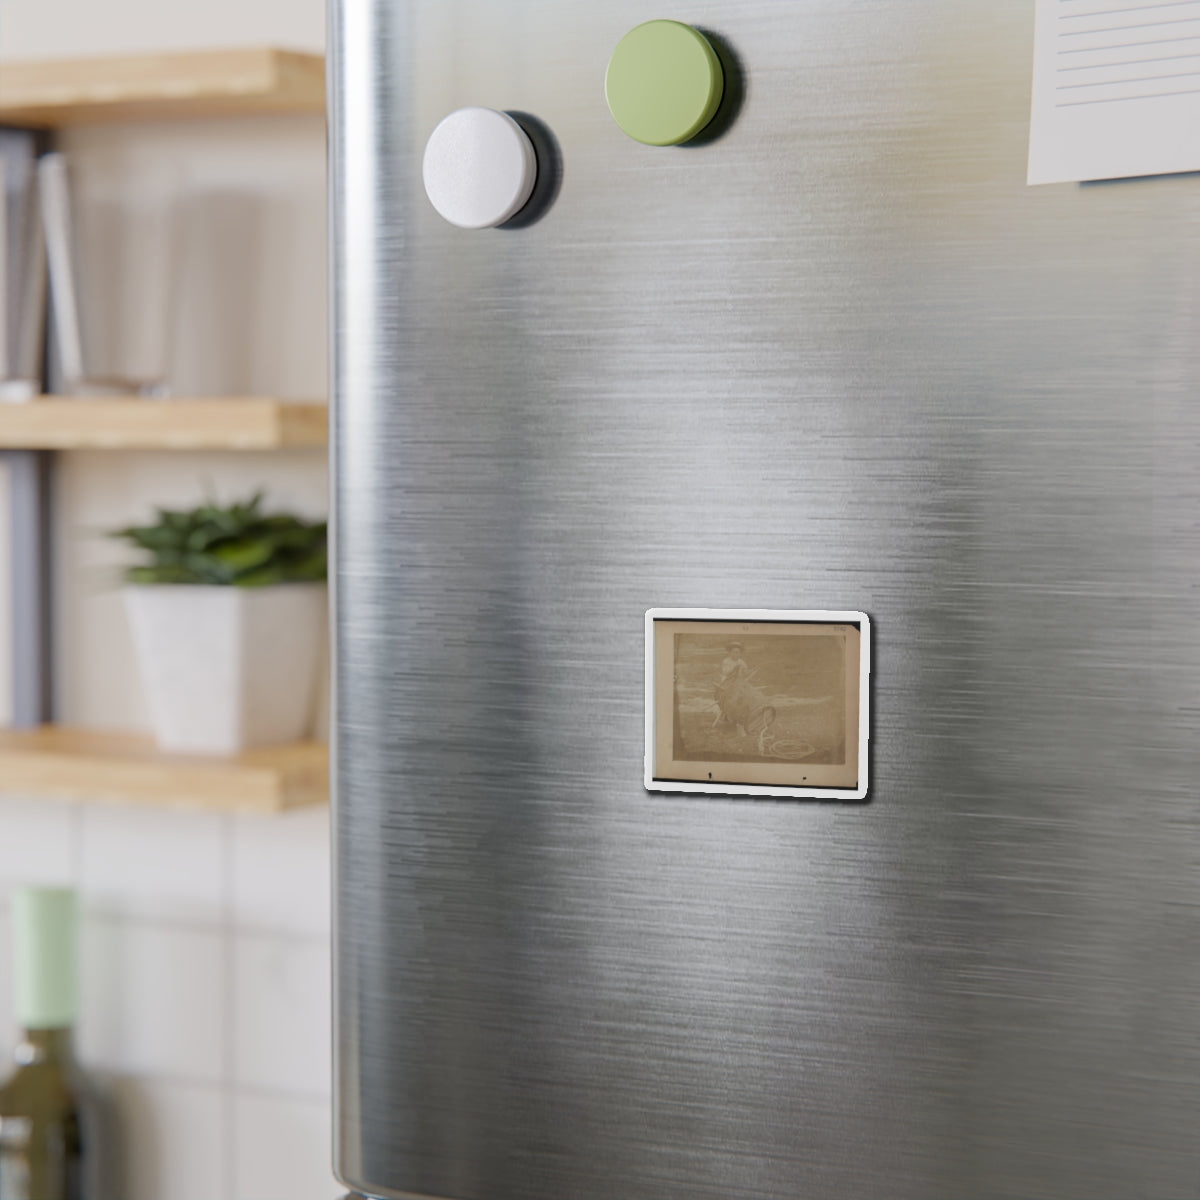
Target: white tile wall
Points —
{"points": [[171, 1141], [282, 1150], [38, 843], [282, 1015], [154, 864], [281, 873], [156, 1000], [205, 978]]}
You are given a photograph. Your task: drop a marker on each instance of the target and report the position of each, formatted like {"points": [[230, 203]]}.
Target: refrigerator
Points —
{"points": [[830, 354]]}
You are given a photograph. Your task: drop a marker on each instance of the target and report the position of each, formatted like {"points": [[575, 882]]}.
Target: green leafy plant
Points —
{"points": [[238, 546]]}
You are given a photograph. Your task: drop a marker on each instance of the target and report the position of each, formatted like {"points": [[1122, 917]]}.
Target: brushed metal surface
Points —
{"points": [[839, 357]]}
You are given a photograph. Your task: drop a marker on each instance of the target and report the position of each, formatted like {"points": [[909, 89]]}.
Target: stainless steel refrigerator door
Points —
{"points": [[840, 357]]}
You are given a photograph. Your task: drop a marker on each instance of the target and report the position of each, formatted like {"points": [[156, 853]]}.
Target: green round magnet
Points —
{"points": [[664, 83]]}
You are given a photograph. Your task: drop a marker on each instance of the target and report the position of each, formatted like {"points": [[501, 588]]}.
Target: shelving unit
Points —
{"points": [[43, 759], [80, 764], [219, 83], [227, 423]]}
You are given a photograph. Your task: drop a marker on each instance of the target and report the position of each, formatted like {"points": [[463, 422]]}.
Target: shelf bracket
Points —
{"points": [[29, 474]]}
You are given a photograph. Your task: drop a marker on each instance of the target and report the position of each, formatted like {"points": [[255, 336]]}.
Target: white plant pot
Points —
{"points": [[227, 668]]}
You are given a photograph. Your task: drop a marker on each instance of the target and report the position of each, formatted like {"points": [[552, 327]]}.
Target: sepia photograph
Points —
{"points": [[759, 706]]}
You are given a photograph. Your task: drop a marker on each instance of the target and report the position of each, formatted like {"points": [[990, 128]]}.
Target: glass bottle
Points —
{"points": [[42, 1131]]}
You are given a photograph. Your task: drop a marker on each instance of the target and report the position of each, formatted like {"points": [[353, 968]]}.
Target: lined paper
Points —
{"points": [[1116, 89]]}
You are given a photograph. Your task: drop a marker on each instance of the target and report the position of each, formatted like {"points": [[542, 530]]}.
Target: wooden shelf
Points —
{"points": [[216, 83], [77, 764], [229, 423]]}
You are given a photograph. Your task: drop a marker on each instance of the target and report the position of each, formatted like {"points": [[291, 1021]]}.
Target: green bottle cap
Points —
{"points": [[44, 924], [664, 83]]}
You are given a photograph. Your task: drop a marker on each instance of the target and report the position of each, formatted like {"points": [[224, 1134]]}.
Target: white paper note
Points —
{"points": [[1116, 89]]}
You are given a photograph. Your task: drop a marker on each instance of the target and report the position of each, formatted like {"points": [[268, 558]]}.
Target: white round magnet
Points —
{"points": [[479, 168]]}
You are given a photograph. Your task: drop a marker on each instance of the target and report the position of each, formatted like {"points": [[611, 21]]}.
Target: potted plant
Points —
{"points": [[228, 621]]}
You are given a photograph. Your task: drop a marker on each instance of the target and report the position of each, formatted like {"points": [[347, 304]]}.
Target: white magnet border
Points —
{"points": [[806, 616]]}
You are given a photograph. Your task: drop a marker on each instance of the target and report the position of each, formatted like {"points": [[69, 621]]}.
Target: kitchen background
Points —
{"points": [[205, 952]]}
